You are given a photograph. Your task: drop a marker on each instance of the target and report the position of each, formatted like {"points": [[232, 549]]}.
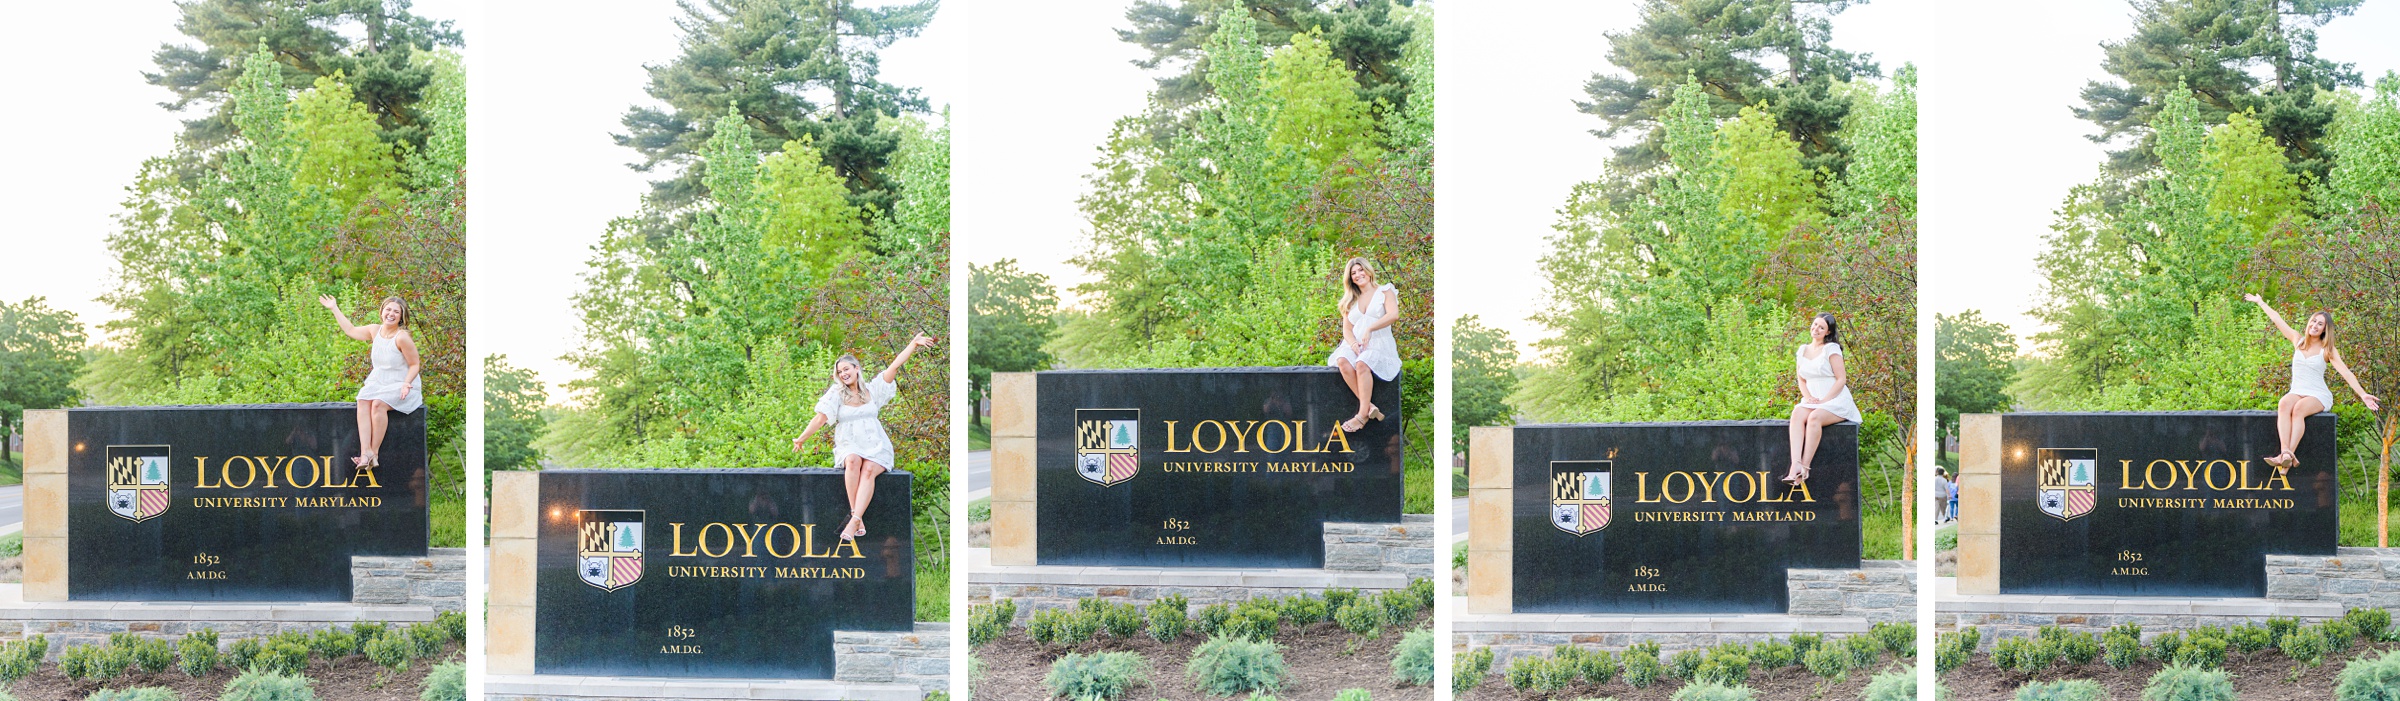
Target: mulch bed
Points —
{"points": [[1319, 656], [2265, 675], [351, 679], [1786, 684]]}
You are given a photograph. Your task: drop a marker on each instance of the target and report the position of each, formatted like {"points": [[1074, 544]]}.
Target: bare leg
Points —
{"points": [[1799, 431], [2283, 429], [1818, 419], [1355, 376], [850, 469], [865, 494], [366, 432], [2302, 408], [381, 415]]}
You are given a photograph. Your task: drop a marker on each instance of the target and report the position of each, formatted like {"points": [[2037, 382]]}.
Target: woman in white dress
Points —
{"points": [[392, 382], [2311, 352], [1367, 352], [860, 446], [1824, 393]]}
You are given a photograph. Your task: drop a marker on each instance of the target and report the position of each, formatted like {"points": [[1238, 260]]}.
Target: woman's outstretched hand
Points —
{"points": [[2373, 404], [796, 442], [2252, 298], [922, 341], [329, 302]]}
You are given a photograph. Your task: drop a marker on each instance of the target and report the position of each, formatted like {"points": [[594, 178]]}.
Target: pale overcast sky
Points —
{"points": [[1513, 144], [546, 177], [84, 138], [1999, 149]]}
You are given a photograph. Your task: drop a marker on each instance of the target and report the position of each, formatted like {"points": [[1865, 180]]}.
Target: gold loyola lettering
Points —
{"points": [[675, 542], [1641, 489], [1219, 425], [794, 539], [1171, 440], [1241, 437], [312, 472], [1288, 437], [203, 463], [705, 530], [1337, 436], [749, 532], [367, 472]]}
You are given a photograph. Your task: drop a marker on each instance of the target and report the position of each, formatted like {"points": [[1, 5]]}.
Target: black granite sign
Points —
{"points": [[714, 573], [1209, 467], [2158, 504], [235, 503], [1675, 517]]}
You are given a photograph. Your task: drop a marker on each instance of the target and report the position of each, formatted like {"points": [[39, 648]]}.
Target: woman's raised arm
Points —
{"points": [[2288, 333], [892, 371], [358, 333]]}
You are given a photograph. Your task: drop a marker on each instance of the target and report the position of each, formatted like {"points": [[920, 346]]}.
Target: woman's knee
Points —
{"points": [[1800, 413], [1821, 417], [378, 405], [868, 468]]}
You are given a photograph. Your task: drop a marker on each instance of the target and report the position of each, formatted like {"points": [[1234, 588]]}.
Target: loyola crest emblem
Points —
{"points": [[2065, 488], [137, 481], [608, 548], [1108, 445], [1579, 495]]}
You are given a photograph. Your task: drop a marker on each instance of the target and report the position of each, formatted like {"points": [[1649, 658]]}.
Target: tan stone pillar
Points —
{"points": [[1979, 504], [516, 521], [1491, 474], [1013, 424], [46, 452]]}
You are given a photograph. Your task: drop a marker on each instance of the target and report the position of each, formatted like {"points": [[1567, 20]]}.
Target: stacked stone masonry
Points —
{"points": [[439, 580], [1881, 591], [920, 657], [1405, 547], [2307, 587]]}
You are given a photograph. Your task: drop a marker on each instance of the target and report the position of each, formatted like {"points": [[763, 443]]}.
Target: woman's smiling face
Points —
{"points": [[846, 373], [2316, 325], [391, 313], [1361, 276], [1816, 328]]}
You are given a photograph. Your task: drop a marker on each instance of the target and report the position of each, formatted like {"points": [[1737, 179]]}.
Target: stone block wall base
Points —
{"points": [[558, 687], [438, 579], [1518, 634], [91, 622], [917, 658], [1049, 586], [1880, 591], [1405, 547], [2022, 615]]}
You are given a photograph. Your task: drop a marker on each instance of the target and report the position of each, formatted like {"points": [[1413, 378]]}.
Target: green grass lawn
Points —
{"points": [[1946, 537], [13, 470], [979, 436], [980, 510], [1458, 483]]}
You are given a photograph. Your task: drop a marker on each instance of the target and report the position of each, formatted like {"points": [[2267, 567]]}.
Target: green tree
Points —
{"points": [[1482, 374], [40, 355], [375, 43], [2252, 185], [1741, 53], [792, 69], [1370, 37], [2236, 56], [512, 415], [339, 152], [2365, 144], [1010, 315], [1973, 367]]}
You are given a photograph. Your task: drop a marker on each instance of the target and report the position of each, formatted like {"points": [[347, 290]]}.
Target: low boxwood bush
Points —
{"points": [[2202, 651], [75, 661], [1122, 621], [2123, 651], [453, 623], [1213, 616], [988, 622], [1360, 618], [1772, 655], [2022, 655], [151, 655], [1524, 672], [1712, 691], [2249, 638], [1335, 599], [1229, 665], [1952, 650], [2062, 690], [1727, 664], [2282, 626], [2182, 682], [196, 654], [2305, 645], [1423, 588], [1412, 663], [262, 685], [1399, 606], [334, 644], [1895, 685], [447, 682], [1107, 675], [1257, 619], [1900, 639], [1599, 666], [390, 651], [426, 640], [1683, 664], [15, 663], [368, 631], [2372, 623], [2073, 648], [1827, 661], [1061, 626], [1556, 674], [1805, 642], [143, 693], [1642, 667], [2370, 678], [1864, 650], [1168, 617], [2339, 634], [1302, 609], [244, 653], [1468, 668], [285, 656]]}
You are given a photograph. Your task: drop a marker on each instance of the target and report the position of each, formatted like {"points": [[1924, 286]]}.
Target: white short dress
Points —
{"points": [[858, 430], [1818, 373], [1382, 354], [2308, 378], [388, 368]]}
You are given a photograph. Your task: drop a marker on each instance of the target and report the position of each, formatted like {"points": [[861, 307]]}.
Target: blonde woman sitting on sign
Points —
{"points": [[860, 446]]}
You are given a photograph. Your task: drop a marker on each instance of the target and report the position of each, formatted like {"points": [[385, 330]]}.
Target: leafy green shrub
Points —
{"points": [[1213, 617], [15, 664], [2370, 678], [2282, 626], [1423, 588], [1772, 655], [1399, 606], [1227, 665], [1684, 664], [453, 623], [988, 622], [1061, 626], [1712, 691], [1895, 685], [1412, 663], [1468, 668], [145, 693], [1167, 617], [2124, 650], [1524, 672], [1952, 650], [390, 651], [196, 654], [1827, 661], [2072, 647], [367, 632], [426, 640], [1864, 650], [75, 661], [1805, 642], [285, 656], [2205, 651], [1726, 664], [1353, 695], [1642, 668], [262, 685], [2062, 690], [2305, 645], [2372, 623], [1360, 618], [1900, 639], [1257, 620], [2249, 638], [1302, 609], [1599, 666], [1556, 674], [2164, 646], [1122, 621], [2023, 655], [1335, 599], [2339, 634], [2182, 682], [152, 655], [334, 644], [1107, 675], [245, 652], [447, 682]]}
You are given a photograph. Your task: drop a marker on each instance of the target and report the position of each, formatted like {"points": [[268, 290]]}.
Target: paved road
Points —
{"points": [[1458, 520], [979, 474], [12, 504]]}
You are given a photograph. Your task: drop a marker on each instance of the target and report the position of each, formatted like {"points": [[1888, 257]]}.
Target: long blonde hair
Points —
{"points": [[849, 392], [1350, 290]]}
